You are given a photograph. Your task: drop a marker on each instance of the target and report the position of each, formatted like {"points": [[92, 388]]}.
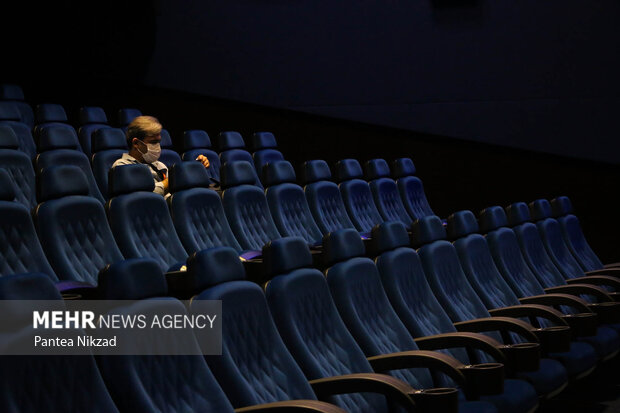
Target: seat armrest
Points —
{"points": [[597, 280], [578, 289], [391, 387], [611, 272], [530, 310], [553, 299], [612, 265], [292, 406]]}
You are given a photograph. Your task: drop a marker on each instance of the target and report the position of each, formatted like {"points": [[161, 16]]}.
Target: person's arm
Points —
{"points": [[204, 160]]}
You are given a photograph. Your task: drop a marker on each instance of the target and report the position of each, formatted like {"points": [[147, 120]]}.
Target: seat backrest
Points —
{"points": [[55, 146], [124, 116], [19, 167], [385, 192], [357, 196], [140, 219], [197, 212], [324, 197], [288, 204], [15, 95], [533, 250], [263, 140], [228, 140], [108, 145], [246, 206], [164, 382], [507, 253], [309, 323], [9, 115], [47, 114], [240, 155], [197, 142], [356, 288], [255, 365], [265, 149], [477, 261], [72, 226], [265, 156], [169, 156], [553, 240], [21, 251], [52, 382], [91, 118], [411, 188]]}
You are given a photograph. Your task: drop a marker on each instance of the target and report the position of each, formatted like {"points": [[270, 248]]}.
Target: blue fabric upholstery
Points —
{"points": [[517, 213], [561, 206], [196, 139], [61, 180], [263, 140], [14, 95], [357, 196], [92, 114], [85, 136], [126, 115], [187, 175], [428, 229], [540, 209], [246, 207], [7, 187], [73, 227], [341, 245], [19, 168], [388, 236], [140, 219], [315, 170], [288, 205], [214, 160], [213, 266], [50, 112], [101, 164], [126, 179], [385, 192], [312, 329], [327, 207], [234, 156], [11, 91], [255, 365], [492, 218], [70, 157], [8, 112], [169, 157], [24, 135], [108, 138], [132, 279], [402, 167], [57, 136], [285, 255], [166, 140], [578, 244], [230, 140], [265, 156], [8, 138], [462, 223]]}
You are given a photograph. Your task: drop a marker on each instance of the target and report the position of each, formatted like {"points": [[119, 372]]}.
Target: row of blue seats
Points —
{"points": [[360, 316]]}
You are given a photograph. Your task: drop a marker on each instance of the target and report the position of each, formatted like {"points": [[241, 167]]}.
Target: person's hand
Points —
{"points": [[165, 182], [204, 160]]}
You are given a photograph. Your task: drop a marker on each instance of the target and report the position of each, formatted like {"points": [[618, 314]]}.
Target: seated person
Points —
{"points": [[143, 141]]}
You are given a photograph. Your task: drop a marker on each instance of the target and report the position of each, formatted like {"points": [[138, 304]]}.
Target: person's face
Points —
{"points": [[141, 144]]}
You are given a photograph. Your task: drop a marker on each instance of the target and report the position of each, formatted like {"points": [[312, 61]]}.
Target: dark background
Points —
{"points": [[495, 102]]}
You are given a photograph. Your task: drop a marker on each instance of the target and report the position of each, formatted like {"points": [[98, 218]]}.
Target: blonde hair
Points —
{"points": [[141, 127]]}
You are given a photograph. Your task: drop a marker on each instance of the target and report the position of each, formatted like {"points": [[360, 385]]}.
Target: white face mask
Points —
{"points": [[153, 150]]}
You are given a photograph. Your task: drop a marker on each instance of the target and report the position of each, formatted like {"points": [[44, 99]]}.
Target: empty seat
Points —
{"points": [[385, 192], [124, 116], [72, 226], [91, 118], [108, 145], [197, 142], [140, 220], [265, 150], [197, 212], [14, 94], [19, 166], [246, 206], [48, 114], [288, 204], [59, 383], [9, 115], [168, 156], [232, 149], [324, 197], [411, 188], [357, 195], [58, 145]]}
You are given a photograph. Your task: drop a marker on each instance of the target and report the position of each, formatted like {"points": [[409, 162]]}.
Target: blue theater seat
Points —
{"points": [[14, 95], [265, 150], [246, 206], [9, 115], [19, 167], [91, 118], [358, 293], [58, 145], [108, 145], [140, 220], [124, 116], [357, 196], [41, 383], [72, 226], [324, 198], [232, 149], [411, 188], [168, 156], [288, 204], [197, 212], [256, 366], [49, 114], [197, 142], [385, 192]]}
